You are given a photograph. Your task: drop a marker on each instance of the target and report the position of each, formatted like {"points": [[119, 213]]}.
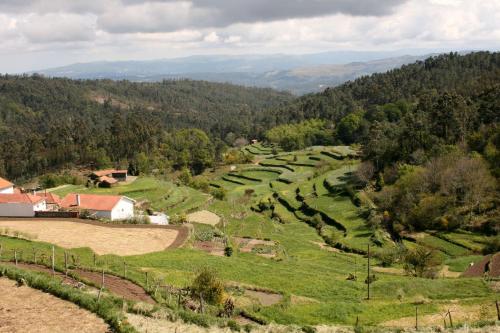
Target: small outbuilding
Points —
{"points": [[21, 205], [52, 200], [110, 207]]}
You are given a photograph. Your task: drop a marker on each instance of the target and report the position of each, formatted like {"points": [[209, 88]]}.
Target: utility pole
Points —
{"points": [[368, 280]]}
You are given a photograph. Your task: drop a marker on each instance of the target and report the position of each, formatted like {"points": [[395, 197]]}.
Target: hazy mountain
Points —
{"points": [[298, 74]]}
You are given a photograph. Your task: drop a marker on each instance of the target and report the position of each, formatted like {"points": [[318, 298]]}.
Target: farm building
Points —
{"points": [[21, 205], [106, 181], [111, 207], [6, 187], [52, 200], [119, 175]]}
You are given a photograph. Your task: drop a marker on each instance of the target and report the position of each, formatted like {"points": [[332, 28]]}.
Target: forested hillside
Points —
{"points": [[46, 124], [430, 137]]}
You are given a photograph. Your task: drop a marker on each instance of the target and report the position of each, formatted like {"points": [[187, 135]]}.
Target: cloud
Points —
{"points": [[50, 28]]}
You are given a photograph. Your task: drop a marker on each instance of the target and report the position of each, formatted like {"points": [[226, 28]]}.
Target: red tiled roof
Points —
{"points": [[4, 183], [108, 180], [50, 198], [91, 201], [107, 172], [20, 198]]}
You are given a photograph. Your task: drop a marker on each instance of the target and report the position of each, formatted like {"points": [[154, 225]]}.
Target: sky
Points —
{"points": [[37, 34]]}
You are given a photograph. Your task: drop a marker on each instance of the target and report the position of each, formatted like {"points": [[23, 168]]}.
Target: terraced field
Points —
{"points": [[303, 203]]}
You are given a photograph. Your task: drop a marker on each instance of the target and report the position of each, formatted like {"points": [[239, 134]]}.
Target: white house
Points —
{"points": [[6, 187], [21, 205], [111, 207]]}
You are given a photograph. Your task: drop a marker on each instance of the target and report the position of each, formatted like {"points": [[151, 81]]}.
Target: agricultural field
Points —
{"points": [[299, 247]]}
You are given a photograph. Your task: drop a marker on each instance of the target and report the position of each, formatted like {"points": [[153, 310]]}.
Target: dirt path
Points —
{"points": [[116, 285], [102, 238], [27, 310]]}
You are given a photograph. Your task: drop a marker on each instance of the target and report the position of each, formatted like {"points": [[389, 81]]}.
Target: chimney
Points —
{"points": [[78, 199]]}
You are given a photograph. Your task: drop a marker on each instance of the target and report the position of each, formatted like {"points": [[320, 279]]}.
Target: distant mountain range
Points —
{"points": [[298, 74]]}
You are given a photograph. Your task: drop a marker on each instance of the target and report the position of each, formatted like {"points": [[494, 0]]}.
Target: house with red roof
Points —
{"points": [[6, 187], [21, 205], [110, 207]]}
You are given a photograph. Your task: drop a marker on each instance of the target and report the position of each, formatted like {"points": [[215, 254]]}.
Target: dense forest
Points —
{"points": [[429, 132], [47, 124], [430, 138]]}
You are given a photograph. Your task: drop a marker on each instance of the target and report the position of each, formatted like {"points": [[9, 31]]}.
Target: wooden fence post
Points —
{"points": [[0, 251], [416, 317], [201, 302], [95, 261], [147, 281], [34, 255], [451, 321], [66, 263], [102, 287], [15, 256], [498, 310], [125, 269], [53, 260]]}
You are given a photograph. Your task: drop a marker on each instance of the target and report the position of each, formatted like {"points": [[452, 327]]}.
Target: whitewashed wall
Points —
{"points": [[123, 210], [8, 190]]}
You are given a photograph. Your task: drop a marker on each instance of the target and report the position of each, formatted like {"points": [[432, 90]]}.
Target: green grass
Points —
{"points": [[301, 268]]}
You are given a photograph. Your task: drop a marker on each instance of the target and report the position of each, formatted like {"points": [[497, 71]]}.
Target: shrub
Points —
{"points": [[208, 285], [219, 193], [308, 329], [228, 251], [421, 262], [234, 326], [492, 246], [138, 219]]}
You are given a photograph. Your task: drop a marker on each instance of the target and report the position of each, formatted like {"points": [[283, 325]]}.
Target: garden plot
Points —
{"points": [[23, 309], [203, 217], [262, 248], [100, 238]]}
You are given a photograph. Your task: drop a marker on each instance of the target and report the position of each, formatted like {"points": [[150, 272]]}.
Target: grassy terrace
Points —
{"points": [[302, 266]]}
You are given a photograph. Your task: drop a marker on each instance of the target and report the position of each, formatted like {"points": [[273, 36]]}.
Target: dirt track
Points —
{"points": [[116, 285], [101, 238], [25, 310]]}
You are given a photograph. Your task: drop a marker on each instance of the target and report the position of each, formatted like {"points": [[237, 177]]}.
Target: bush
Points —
{"points": [[234, 326], [219, 193], [421, 262], [492, 246], [208, 285], [228, 251], [308, 329], [138, 219]]}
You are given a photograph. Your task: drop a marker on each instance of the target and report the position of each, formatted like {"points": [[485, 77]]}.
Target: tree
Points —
{"points": [[208, 285], [421, 262]]}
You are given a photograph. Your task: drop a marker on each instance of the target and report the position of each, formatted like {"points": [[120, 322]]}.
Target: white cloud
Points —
{"points": [[212, 38], [86, 30], [60, 27]]}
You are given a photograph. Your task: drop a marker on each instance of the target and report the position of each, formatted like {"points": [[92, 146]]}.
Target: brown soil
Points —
{"points": [[114, 284], [326, 247], [478, 269], [459, 313], [101, 238], [264, 298], [25, 310], [213, 248], [247, 245], [495, 266]]}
